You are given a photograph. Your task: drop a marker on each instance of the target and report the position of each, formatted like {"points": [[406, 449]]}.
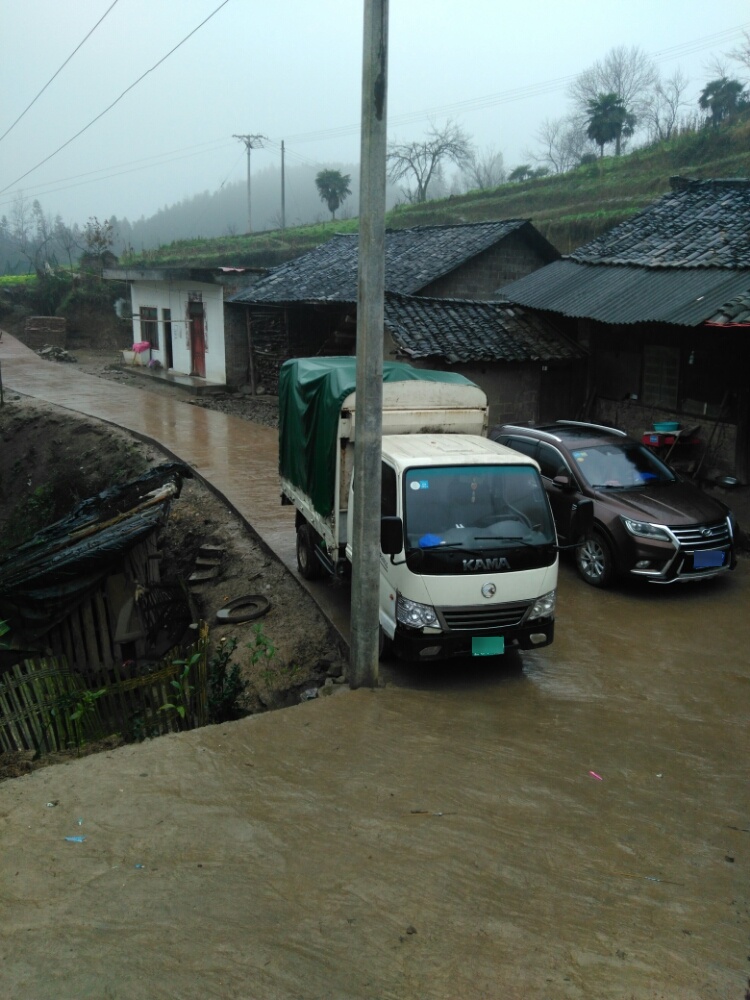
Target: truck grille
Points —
{"points": [[483, 616], [703, 536]]}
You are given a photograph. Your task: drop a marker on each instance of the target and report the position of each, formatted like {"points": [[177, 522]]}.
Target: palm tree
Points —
{"points": [[333, 188], [723, 98], [609, 121]]}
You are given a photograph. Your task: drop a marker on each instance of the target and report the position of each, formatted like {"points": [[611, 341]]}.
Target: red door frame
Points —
{"points": [[196, 321]]}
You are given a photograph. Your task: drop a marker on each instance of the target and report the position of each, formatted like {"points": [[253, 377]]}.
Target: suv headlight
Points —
{"points": [[645, 530], [413, 614], [544, 606]]}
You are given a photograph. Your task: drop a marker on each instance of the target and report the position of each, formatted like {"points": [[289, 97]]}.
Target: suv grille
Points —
{"points": [[483, 616], [703, 536]]}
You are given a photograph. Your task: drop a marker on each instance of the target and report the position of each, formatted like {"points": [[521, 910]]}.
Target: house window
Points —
{"points": [[661, 371], [150, 326]]}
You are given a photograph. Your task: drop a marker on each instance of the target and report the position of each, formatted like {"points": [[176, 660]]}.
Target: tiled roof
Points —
{"points": [[736, 312], [686, 297], [414, 258], [701, 223], [462, 330]]}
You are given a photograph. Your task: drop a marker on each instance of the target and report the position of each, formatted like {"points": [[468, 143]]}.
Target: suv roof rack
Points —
{"points": [[547, 435], [593, 427]]}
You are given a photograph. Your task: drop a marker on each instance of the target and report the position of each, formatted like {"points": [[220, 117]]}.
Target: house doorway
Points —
{"points": [[166, 315], [197, 327]]}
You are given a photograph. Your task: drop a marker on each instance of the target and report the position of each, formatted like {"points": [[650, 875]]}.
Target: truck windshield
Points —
{"points": [[476, 507]]}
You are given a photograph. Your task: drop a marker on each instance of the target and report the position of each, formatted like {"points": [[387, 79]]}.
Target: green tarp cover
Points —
{"points": [[311, 391]]}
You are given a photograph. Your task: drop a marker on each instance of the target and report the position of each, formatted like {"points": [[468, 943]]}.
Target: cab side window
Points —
{"points": [[388, 491], [525, 445], [551, 461]]}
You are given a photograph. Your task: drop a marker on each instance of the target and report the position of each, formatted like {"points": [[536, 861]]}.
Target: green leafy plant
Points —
{"points": [[182, 688], [84, 708], [261, 648], [226, 685], [4, 629]]}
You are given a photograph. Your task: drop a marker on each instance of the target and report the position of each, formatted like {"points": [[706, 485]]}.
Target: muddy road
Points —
{"points": [[570, 823]]}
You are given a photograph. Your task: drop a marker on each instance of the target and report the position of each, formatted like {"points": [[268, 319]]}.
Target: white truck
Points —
{"points": [[468, 562]]}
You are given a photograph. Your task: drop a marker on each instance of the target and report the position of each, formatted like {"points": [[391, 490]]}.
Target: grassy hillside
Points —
{"points": [[569, 209]]}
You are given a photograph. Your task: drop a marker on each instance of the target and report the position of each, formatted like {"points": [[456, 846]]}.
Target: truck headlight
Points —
{"points": [[645, 530], [544, 606], [413, 614]]}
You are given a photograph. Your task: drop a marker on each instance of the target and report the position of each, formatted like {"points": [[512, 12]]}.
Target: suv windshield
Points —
{"points": [[620, 466], [476, 507]]}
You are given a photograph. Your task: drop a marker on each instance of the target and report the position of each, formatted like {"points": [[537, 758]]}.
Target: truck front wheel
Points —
{"points": [[307, 562]]}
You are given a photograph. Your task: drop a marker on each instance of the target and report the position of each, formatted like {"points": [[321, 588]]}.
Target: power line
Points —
{"points": [[10, 129], [116, 101]]}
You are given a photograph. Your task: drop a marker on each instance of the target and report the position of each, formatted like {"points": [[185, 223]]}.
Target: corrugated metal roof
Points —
{"points": [[622, 294], [462, 330], [414, 258]]}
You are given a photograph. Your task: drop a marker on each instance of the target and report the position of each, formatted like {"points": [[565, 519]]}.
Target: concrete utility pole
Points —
{"points": [[251, 142], [369, 386]]}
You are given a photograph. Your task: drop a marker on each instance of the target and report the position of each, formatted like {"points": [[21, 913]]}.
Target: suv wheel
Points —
{"points": [[594, 560]]}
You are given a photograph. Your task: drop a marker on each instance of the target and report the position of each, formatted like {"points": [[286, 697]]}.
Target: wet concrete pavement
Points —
{"points": [[573, 823]]}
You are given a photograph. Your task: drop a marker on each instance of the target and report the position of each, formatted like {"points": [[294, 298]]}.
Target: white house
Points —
{"points": [[179, 314]]}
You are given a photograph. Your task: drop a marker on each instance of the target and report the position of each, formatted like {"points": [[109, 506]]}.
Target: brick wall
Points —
{"points": [[481, 277], [41, 330]]}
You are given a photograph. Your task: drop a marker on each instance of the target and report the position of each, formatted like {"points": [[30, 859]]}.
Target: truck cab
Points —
{"points": [[468, 561]]}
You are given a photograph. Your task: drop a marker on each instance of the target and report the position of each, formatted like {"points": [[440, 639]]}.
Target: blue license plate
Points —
{"points": [[708, 558], [491, 645]]}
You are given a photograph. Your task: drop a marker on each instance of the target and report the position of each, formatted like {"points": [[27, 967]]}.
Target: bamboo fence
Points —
{"points": [[46, 706]]}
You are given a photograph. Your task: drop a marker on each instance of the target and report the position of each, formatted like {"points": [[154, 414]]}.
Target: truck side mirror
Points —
{"points": [[581, 518], [391, 535]]}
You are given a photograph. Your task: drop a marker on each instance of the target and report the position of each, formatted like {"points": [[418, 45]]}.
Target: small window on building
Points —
{"points": [[150, 326], [661, 373]]}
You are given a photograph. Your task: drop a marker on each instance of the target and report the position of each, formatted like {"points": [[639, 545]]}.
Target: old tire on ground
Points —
{"points": [[308, 563], [594, 560], [243, 609]]}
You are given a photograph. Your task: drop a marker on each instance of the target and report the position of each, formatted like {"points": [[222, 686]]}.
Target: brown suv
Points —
{"points": [[648, 521]]}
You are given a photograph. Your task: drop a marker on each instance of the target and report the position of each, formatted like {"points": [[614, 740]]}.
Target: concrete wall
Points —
{"points": [[175, 296]]}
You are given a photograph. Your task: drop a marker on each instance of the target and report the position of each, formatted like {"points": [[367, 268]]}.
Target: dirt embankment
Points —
{"points": [[51, 457]]}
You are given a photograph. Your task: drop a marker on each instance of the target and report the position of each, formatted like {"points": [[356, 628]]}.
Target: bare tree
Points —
{"points": [[742, 53], [629, 73], [663, 114], [421, 161], [66, 238], [484, 170], [563, 143]]}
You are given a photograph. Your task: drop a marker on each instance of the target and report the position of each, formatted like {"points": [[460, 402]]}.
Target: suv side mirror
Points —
{"points": [[563, 482], [581, 518], [391, 535]]}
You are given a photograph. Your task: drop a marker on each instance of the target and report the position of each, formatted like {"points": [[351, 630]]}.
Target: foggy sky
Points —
{"points": [[291, 70]]}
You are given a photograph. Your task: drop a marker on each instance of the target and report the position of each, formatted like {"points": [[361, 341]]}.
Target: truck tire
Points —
{"points": [[594, 560], [308, 564]]}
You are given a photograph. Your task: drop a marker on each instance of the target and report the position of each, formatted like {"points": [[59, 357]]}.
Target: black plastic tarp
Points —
{"points": [[42, 580]]}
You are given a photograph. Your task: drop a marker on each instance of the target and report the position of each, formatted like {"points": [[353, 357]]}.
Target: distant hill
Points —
{"points": [[569, 209]]}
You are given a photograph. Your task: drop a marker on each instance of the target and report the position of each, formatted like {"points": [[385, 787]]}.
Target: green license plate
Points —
{"points": [[491, 645]]}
